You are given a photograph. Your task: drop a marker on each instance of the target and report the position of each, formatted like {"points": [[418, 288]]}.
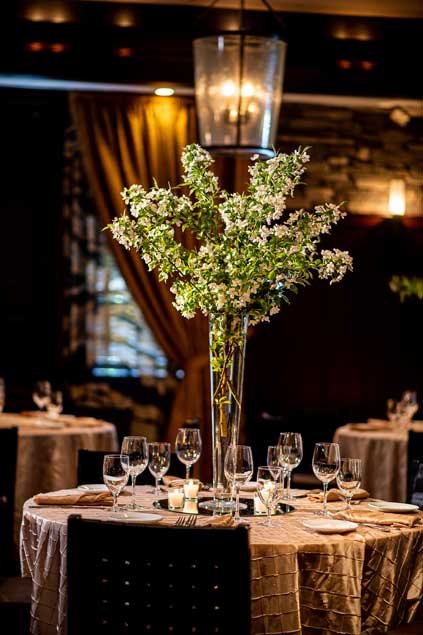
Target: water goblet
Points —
{"points": [[408, 405], [269, 490], [188, 447], [158, 462], [348, 479], [115, 475], [136, 449], [291, 444], [274, 459], [326, 464], [41, 394], [238, 467], [55, 404]]}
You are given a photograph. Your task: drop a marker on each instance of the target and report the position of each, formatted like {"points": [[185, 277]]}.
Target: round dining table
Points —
{"points": [[302, 582], [383, 449], [47, 454]]}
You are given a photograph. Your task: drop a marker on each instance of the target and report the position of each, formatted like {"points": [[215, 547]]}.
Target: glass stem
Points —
{"points": [[325, 496], [269, 513], [288, 485], [115, 505], [348, 504], [236, 517], [133, 477], [187, 472], [157, 490]]}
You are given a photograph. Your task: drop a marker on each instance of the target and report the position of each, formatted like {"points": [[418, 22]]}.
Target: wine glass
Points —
{"points": [[55, 404], [274, 459], [115, 475], [42, 394], [238, 467], [408, 405], [291, 444], [326, 464], [136, 449], [348, 479], [269, 489], [158, 462], [2, 394], [392, 410], [188, 447]]}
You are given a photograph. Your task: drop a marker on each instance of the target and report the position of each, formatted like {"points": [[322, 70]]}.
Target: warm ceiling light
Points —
{"points": [[238, 89], [164, 92], [124, 19], [58, 47], [396, 204], [367, 65], [124, 52], [344, 64], [35, 47]]}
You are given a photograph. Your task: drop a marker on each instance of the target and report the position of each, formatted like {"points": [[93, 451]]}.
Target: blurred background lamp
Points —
{"points": [[397, 197], [164, 92], [238, 89]]}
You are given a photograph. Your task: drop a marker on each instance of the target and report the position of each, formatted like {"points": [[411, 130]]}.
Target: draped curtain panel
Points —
{"points": [[128, 139]]}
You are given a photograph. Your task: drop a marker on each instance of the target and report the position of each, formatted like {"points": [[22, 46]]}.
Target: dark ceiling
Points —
{"points": [[147, 43]]}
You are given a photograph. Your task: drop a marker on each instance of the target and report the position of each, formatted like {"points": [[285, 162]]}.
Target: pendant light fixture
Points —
{"points": [[238, 88]]}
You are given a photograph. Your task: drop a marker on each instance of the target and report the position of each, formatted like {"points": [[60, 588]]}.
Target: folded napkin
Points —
{"points": [[225, 520], [378, 518], [334, 494], [83, 498]]}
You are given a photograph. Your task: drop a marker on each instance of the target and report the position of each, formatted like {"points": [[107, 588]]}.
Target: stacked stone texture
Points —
{"points": [[354, 155]]}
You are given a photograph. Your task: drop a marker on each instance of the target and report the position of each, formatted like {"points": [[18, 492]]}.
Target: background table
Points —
{"points": [[302, 582], [383, 452], [47, 456]]}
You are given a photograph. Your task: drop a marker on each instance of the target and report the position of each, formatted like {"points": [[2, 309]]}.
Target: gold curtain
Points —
{"points": [[128, 139]]}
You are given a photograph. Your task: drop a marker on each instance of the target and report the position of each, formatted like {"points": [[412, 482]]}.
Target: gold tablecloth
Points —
{"points": [[384, 456], [303, 583], [47, 456]]}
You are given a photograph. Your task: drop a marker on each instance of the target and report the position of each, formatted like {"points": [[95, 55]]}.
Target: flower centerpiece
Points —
{"points": [[250, 255]]}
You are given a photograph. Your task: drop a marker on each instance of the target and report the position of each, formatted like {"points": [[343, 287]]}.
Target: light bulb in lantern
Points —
{"points": [[397, 197]]}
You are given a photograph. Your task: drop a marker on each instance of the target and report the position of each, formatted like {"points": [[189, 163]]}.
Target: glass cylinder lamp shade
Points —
{"points": [[238, 90]]}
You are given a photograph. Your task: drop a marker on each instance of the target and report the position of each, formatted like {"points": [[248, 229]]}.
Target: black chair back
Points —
{"points": [[90, 468], [9, 446], [156, 580], [415, 468]]}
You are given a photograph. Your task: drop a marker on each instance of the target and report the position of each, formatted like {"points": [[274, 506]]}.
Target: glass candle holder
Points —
{"points": [[191, 488], [175, 496]]}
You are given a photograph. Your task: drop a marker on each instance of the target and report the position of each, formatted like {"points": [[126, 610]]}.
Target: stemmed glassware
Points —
{"points": [[238, 467], [326, 464], [188, 447], [291, 445], [42, 394], [269, 490], [55, 404], [115, 475], [348, 479], [274, 460], [158, 462], [136, 449]]}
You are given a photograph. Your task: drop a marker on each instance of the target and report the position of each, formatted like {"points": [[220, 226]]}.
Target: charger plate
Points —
{"points": [[248, 510]]}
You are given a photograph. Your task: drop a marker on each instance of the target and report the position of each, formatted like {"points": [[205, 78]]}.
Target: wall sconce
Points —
{"points": [[396, 204]]}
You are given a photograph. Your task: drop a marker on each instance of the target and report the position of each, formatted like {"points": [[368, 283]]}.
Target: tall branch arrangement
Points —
{"points": [[251, 254]]}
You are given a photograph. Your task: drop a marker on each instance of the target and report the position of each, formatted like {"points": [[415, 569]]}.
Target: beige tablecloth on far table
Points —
{"points": [[47, 456], [303, 583], [383, 452]]}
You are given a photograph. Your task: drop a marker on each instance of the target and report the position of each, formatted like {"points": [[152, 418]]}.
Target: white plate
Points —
{"points": [[135, 517], [330, 525], [251, 486], [396, 508], [93, 488]]}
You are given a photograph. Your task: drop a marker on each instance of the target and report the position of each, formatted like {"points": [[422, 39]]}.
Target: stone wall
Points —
{"points": [[354, 154]]}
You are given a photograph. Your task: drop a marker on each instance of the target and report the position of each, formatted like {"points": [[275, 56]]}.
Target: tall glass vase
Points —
{"points": [[227, 339]]}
